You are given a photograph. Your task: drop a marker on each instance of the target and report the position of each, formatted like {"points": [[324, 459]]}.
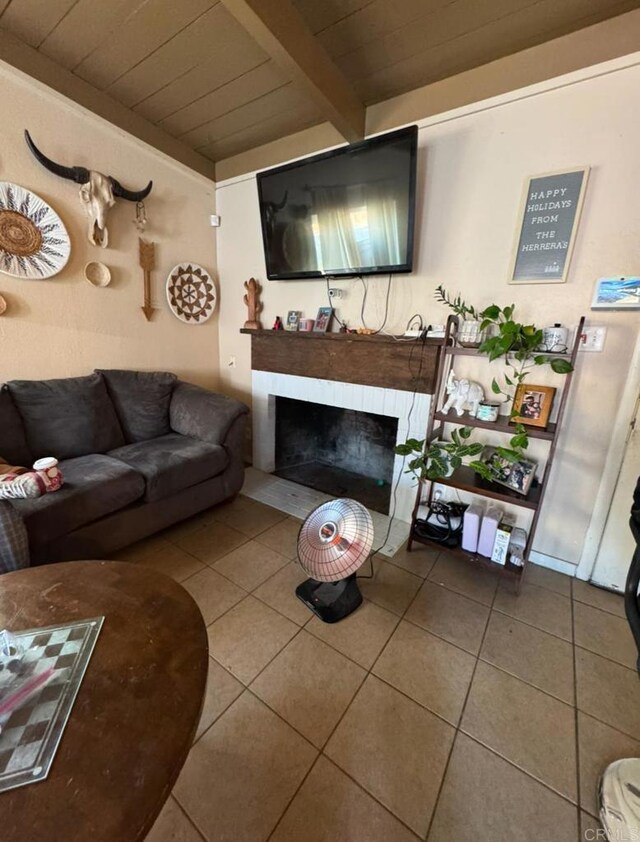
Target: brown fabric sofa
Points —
{"points": [[139, 451]]}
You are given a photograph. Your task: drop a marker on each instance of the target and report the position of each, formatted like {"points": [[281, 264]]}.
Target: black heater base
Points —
{"points": [[331, 601]]}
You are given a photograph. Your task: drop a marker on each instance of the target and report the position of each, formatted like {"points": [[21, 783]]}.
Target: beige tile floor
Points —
{"points": [[444, 709]]}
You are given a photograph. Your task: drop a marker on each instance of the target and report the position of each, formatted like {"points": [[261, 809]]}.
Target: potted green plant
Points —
{"points": [[439, 459], [518, 344]]}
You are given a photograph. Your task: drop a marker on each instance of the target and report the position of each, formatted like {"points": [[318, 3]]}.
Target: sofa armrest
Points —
{"points": [[202, 414], [14, 544]]}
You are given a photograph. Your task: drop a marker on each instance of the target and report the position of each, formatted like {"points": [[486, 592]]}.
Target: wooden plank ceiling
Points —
{"points": [[224, 77]]}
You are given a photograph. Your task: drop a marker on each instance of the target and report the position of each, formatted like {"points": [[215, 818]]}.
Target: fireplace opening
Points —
{"points": [[338, 451]]}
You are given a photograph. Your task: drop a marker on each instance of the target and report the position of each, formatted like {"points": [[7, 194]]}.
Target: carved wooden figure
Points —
{"points": [[253, 305]]}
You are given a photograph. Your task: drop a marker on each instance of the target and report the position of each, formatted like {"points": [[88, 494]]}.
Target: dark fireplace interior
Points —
{"points": [[337, 451]]}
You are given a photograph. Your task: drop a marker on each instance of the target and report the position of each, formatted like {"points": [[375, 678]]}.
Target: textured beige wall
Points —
{"points": [[64, 326], [471, 172]]}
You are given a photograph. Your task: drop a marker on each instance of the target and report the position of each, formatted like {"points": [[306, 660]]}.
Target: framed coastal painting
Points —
{"points": [[549, 217], [616, 294]]}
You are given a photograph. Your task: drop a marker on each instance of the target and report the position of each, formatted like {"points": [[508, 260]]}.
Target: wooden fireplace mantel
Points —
{"points": [[368, 360]]}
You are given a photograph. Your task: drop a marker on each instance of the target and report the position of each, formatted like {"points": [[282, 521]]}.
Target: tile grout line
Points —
{"points": [[438, 584], [321, 752], [298, 788], [457, 729], [211, 566], [514, 765], [187, 816], [213, 722], [400, 618], [425, 579], [575, 717], [598, 608], [247, 687], [464, 705]]}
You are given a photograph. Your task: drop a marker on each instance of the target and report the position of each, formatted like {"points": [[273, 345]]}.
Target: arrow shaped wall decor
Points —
{"points": [[147, 262]]}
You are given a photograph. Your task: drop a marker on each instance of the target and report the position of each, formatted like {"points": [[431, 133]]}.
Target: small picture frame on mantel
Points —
{"points": [[293, 320], [323, 320]]}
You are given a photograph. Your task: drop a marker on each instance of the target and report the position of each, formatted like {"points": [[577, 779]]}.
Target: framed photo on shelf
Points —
{"points": [[532, 405], [517, 476], [293, 319], [323, 320], [616, 294]]}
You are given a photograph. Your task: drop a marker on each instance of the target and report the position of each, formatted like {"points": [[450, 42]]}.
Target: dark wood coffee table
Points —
{"points": [[137, 710]]}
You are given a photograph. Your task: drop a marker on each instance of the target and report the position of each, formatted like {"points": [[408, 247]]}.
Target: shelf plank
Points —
{"points": [[342, 337], [459, 351], [472, 558], [500, 426], [466, 479]]}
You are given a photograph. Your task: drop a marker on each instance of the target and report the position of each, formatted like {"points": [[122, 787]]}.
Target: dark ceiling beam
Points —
{"points": [[43, 69], [281, 32]]}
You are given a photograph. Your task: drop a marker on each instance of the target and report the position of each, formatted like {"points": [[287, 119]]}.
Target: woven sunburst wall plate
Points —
{"points": [[34, 243], [191, 293]]}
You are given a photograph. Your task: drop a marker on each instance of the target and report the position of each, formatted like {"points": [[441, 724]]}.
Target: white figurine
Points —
{"points": [[462, 393]]}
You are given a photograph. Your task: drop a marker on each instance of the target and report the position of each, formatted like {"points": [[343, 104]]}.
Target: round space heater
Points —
{"points": [[335, 539]]}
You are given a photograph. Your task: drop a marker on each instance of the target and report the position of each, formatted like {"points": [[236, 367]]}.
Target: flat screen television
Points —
{"points": [[346, 212]]}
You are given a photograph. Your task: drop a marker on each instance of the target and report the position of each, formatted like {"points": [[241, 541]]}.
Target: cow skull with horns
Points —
{"points": [[98, 192]]}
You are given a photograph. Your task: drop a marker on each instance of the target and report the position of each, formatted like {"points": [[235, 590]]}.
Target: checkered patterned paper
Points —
{"points": [[30, 738]]}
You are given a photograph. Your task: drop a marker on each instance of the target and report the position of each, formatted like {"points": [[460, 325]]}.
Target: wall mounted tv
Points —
{"points": [[347, 212]]}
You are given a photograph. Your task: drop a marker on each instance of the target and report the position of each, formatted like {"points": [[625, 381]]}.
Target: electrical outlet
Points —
{"points": [[334, 292], [232, 362], [592, 338]]}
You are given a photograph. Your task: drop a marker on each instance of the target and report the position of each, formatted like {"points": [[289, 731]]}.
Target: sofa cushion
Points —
{"points": [[14, 449], [67, 418], [94, 486], [173, 462], [141, 399]]}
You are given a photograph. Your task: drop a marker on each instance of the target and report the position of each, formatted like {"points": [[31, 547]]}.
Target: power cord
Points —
{"points": [[422, 341], [364, 300], [386, 307]]}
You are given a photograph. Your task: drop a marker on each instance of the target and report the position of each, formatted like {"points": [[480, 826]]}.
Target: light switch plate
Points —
{"points": [[592, 338]]}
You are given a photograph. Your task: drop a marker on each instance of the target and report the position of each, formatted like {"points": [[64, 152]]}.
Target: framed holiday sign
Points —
{"points": [[551, 207]]}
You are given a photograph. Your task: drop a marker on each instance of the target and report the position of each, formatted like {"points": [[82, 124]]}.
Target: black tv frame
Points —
{"points": [[378, 140]]}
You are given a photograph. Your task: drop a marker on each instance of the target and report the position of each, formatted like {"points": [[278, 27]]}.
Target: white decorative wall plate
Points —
{"points": [[191, 293], [34, 243]]}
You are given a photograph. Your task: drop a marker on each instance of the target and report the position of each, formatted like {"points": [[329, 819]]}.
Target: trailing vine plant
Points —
{"points": [[438, 459], [519, 345]]}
